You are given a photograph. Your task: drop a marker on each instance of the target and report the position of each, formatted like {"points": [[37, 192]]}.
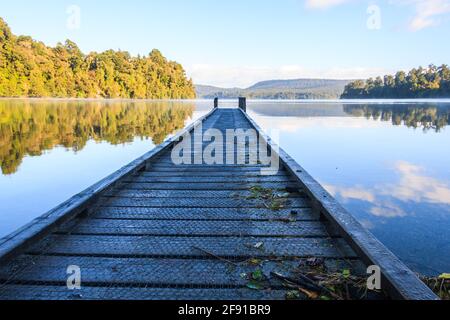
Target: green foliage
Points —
{"points": [[30, 69], [431, 82]]}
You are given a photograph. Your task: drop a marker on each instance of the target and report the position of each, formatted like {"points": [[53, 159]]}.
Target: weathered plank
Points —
{"points": [[238, 247], [57, 292], [233, 194], [196, 228], [218, 214], [246, 186], [193, 179], [156, 272], [201, 203]]}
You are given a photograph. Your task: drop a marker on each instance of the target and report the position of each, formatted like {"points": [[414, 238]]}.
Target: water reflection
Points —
{"points": [[428, 117], [394, 179], [31, 127], [432, 116], [413, 186]]}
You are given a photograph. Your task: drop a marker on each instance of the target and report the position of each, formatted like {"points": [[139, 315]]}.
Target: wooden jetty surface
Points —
{"points": [[156, 230]]}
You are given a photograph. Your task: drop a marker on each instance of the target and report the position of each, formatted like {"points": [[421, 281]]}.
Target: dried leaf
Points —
{"points": [[310, 294], [254, 262]]}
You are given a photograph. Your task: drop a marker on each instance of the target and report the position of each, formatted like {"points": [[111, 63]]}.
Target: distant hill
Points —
{"points": [[279, 89]]}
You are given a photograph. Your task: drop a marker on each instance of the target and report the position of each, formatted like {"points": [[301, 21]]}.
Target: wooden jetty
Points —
{"points": [[156, 230]]}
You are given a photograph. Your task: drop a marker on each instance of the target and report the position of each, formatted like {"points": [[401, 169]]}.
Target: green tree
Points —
{"points": [[417, 83], [29, 68]]}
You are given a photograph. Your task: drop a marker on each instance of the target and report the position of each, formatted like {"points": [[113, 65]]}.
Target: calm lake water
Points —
{"points": [[388, 163]]}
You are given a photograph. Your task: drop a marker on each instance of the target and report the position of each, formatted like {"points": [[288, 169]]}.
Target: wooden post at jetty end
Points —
{"points": [[243, 103]]}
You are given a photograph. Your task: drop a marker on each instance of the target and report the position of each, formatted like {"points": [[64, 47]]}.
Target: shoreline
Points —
{"points": [[346, 101]]}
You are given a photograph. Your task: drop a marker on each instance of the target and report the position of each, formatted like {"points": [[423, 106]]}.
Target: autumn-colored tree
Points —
{"points": [[29, 68]]}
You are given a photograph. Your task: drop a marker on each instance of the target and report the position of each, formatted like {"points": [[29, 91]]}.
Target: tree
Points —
{"points": [[29, 68], [421, 82]]}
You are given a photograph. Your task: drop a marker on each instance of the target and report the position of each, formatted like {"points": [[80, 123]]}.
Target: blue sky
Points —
{"points": [[239, 42]]}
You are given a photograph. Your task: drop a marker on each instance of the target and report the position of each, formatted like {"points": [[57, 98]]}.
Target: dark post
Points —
{"points": [[216, 103], [243, 103]]}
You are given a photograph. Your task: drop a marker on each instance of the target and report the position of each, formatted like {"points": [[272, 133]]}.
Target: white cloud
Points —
{"points": [[323, 4], [427, 12], [416, 187], [413, 186], [357, 193], [381, 208], [388, 210], [245, 76]]}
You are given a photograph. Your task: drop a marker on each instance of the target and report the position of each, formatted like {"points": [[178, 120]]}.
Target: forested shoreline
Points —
{"points": [[430, 82], [29, 68]]}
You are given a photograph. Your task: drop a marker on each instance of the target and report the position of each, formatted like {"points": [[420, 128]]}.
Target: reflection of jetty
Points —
{"points": [[156, 230]]}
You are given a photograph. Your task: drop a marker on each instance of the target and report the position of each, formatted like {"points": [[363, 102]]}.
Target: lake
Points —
{"points": [[387, 162]]}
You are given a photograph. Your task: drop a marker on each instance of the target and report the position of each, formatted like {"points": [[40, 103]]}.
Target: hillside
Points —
{"points": [[29, 68], [279, 89]]}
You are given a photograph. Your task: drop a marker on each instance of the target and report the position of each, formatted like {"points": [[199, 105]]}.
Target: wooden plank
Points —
{"points": [[154, 272], [195, 228], [183, 174], [235, 247], [194, 179], [200, 169], [201, 203], [208, 186], [233, 194], [57, 292], [218, 214]]}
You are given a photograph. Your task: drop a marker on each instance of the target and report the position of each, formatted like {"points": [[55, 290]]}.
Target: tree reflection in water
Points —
{"points": [[428, 117], [30, 127]]}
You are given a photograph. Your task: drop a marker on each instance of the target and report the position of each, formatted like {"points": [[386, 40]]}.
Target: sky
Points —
{"points": [[235, 43]]}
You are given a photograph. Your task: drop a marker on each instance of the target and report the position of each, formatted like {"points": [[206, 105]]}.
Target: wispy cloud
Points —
{"points": [[356, 193], [387, 210], [246, 76], [415, 186], [428, 13]]}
